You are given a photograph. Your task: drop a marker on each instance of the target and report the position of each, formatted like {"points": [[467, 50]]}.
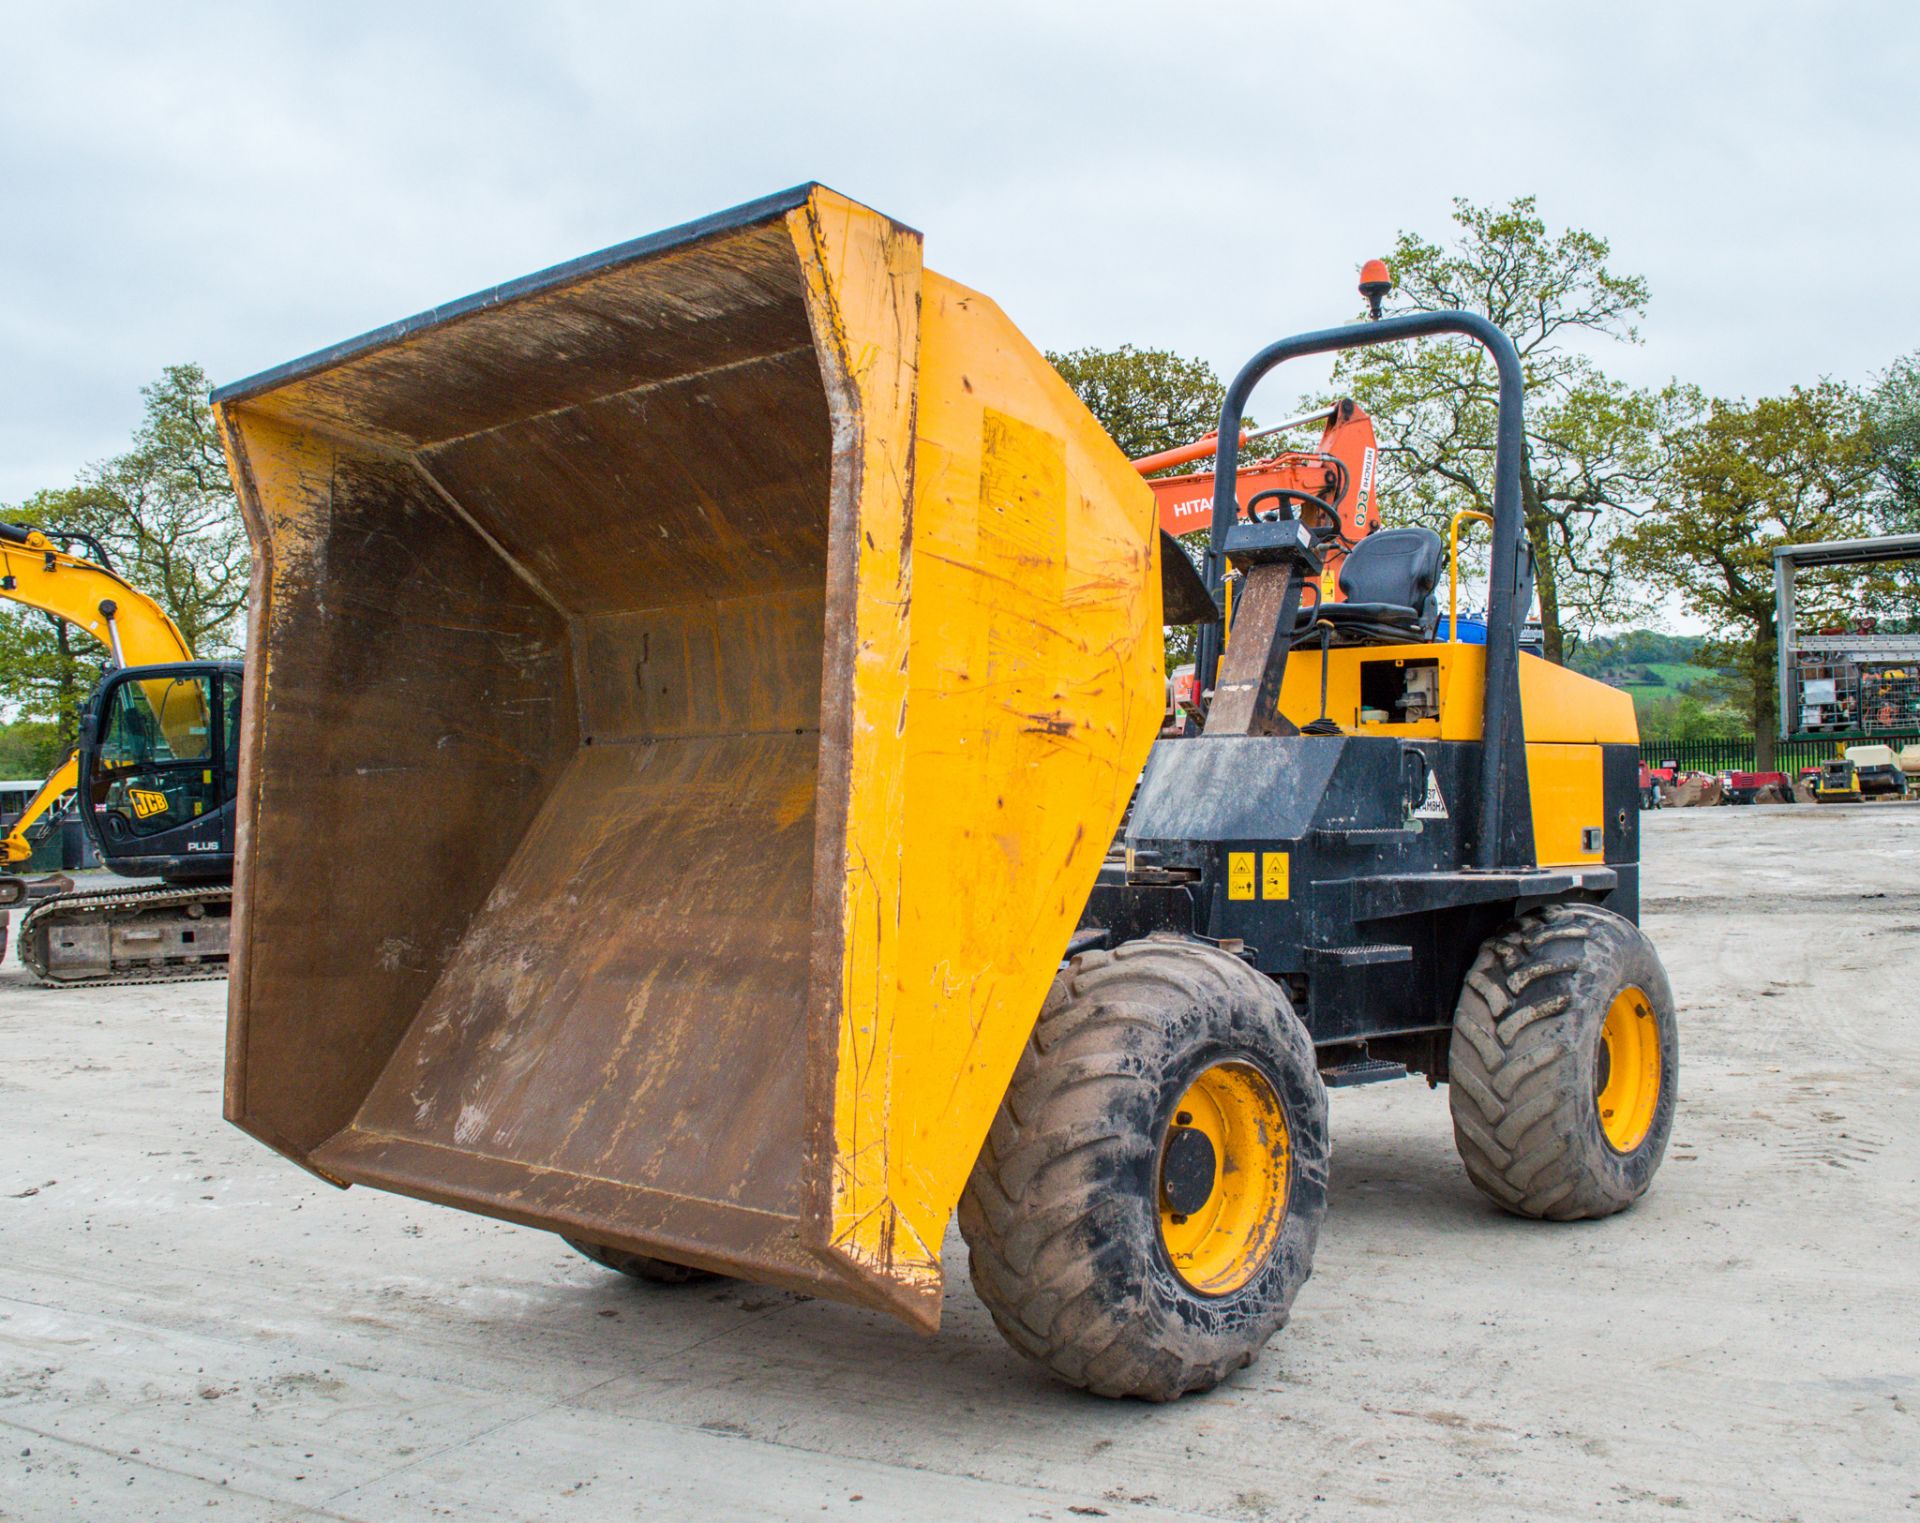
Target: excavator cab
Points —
{"points": [[156, 774], [158, 769]]}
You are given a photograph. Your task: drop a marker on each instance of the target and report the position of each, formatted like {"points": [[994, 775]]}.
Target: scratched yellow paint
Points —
{"points": [[1007, 686], [1035, 692], [862, 278]]}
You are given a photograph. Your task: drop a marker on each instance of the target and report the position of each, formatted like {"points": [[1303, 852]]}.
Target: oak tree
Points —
{"points": [[165, 513], [1148, 399], [1742, 480], [1893, 415], [1593, 444]]}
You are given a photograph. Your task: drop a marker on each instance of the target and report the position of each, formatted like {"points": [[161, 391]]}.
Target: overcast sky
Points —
{"points": [[241, 184]]}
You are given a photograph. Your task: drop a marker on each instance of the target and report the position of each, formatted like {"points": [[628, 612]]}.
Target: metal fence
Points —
{"points": [[1736, 753]]}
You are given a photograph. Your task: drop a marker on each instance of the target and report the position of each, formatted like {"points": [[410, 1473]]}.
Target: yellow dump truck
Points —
{"points": [[702, 683]]}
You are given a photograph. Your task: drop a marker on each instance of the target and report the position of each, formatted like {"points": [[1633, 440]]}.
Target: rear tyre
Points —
{"points": [[640, 1267], [1146, 1205], [1564, 1064]]}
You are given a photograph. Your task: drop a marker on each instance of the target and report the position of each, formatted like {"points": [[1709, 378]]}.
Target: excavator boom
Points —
{"points": [[1340, 473], [15, 849], [43, 575]]}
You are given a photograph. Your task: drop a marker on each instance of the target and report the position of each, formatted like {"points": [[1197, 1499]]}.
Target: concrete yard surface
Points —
{"points": [[191, 1327]]}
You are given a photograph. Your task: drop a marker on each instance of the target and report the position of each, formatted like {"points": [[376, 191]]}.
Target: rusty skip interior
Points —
{"points": [[552, 582]]}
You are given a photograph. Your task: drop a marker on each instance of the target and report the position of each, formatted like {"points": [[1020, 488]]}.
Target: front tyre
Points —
{"points": [[1565, 1064], [1146, 1205]]}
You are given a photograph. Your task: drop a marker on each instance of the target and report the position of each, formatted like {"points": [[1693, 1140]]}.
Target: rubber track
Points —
{"points": [[91, 900]]}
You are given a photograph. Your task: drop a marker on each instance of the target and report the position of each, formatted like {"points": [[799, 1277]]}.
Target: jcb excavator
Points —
{"points": [[706, 676], [153, 778]]}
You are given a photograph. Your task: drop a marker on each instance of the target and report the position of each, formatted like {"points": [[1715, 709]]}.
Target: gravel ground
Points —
{"points": [[192, 1327]]}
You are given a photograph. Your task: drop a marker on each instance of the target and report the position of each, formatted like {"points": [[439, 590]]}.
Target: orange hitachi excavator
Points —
{"points": [[1329, 488]]}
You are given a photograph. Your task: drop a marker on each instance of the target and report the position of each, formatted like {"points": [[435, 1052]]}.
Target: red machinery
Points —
{"points": [[1744, 787], [1340, 473]]}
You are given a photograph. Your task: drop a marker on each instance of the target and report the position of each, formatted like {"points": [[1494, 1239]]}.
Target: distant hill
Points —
{"points": [[1673, 694], [1636, 648]]}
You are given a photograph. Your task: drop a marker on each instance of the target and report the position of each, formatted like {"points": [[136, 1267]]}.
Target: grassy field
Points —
{"points": [[1677, 676]]}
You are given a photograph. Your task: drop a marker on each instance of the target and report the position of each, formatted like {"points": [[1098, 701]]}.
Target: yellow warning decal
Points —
{"points": [[1239, 875], [147, 803], [1275, 881]]}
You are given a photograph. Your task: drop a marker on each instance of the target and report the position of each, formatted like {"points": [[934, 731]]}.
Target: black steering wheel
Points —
{"points": [[1322, 534]]}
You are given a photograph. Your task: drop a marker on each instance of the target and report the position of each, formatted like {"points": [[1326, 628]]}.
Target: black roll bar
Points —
{"points": [[1501, 843]]}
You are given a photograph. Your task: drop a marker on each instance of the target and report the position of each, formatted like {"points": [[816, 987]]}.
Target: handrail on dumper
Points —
{"points": [[1504, 745], [1453, 568]]}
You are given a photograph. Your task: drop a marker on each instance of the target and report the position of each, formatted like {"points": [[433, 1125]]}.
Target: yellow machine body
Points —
{"points": [[700, 683], [1566, 718]]}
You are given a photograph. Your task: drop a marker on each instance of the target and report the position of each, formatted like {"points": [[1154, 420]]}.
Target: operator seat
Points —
{"points": [[1387, 581], [139, 735]]}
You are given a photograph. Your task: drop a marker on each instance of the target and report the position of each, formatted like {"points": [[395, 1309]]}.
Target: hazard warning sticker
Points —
{"points": [[1434, 805]]}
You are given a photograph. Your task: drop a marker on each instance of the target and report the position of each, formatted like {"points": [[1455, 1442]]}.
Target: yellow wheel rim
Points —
{"points": [[1626, 1081], [1233, 1210]]}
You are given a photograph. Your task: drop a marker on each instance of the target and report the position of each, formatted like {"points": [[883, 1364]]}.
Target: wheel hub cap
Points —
{"points": [[1225, 1162], [1626, 1070], [1187, 1171]]}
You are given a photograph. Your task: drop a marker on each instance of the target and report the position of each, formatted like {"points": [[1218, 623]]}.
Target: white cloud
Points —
{"points": [[241, 184]]}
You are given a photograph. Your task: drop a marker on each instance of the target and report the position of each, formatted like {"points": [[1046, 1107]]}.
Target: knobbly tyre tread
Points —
{"points": [[1061, 1212], [1521, 1063], [114, 898], [639, 1266]]}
